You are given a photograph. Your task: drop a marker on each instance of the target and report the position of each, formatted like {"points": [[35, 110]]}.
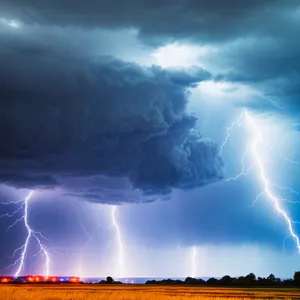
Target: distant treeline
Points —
{"points": [[242, 281], [109, 280]]}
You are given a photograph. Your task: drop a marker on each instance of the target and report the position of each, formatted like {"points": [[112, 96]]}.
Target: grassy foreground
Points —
{"points": [[138, 292]]}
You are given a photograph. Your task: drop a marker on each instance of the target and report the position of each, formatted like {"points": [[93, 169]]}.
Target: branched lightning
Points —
{"points": [[289, 160], [293, 162], [290, 201], [237, 122], [259, 166], [13, 202], [89, 236], [286, 188], [120, 243], [243, 173], [257, 198], [31, 235]]}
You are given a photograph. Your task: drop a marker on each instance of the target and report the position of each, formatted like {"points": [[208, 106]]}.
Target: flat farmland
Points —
{"points": [[138, 292]]}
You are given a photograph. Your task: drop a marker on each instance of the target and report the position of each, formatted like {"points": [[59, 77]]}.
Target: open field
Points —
{"points": [[138, 292]]}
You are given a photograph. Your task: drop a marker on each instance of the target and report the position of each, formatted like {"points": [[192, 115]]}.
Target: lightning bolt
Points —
{"points": [[31, 235], [265, 182], [257, 139], [286, 188], [194, 252], [120, 244], [293, 162], [237, 122], [89, 236], [287, 159], [89, 239]]}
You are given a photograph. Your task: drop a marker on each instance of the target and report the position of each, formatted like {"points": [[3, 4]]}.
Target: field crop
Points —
{"points": [[138, 292]]}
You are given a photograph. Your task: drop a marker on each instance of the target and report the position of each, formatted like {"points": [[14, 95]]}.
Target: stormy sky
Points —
{"points": [[126, 104]]}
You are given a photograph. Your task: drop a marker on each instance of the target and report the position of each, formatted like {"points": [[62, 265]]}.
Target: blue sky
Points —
{"points": [[103, 108]]}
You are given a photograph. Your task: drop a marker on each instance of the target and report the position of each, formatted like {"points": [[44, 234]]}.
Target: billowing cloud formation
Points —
{"points": [[66, 114], [127, 116], [257, 40], [211, 20]]}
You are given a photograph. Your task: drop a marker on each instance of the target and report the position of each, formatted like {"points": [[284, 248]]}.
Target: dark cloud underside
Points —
{"points": [[65, 115], [156, 20], [67, 111]]}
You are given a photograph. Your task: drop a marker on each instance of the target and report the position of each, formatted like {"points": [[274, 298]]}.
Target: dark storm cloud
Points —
{"points": [[24, 180], [269, 64], [66, 114], [258, 40], [157, 20], [60, 79]]}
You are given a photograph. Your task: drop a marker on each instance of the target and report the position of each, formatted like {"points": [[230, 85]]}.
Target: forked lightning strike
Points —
{"points": [[120, 243], [258, 162], [264, 180], [31, 234]]}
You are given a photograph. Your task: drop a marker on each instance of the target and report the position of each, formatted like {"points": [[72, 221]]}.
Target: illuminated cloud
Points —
{"points": [[270, 65], [10, 23]]}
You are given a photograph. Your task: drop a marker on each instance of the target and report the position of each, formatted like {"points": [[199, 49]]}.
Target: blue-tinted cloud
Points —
{"points": [[158, 21], [66, 114]]}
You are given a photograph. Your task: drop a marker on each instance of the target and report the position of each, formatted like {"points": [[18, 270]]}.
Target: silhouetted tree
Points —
{"points": [[191, 280], [178, 281], [251, 278], [102, 281], [288, 282], [242, 281], [272, 278], [212, 281], [263, 281], [201, 281], [109, 280], [297, 278], [117, 282], [152, 282], [225, 280]]}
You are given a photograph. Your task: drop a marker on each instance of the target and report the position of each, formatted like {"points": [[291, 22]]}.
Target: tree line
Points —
{"points": [[109, 280], [242, 281]]}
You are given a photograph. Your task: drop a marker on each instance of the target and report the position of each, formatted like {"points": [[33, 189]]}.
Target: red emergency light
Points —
{"points": [[40, 279]]}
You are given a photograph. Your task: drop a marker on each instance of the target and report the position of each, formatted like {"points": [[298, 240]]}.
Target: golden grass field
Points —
{"points": [[138, 292]]}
